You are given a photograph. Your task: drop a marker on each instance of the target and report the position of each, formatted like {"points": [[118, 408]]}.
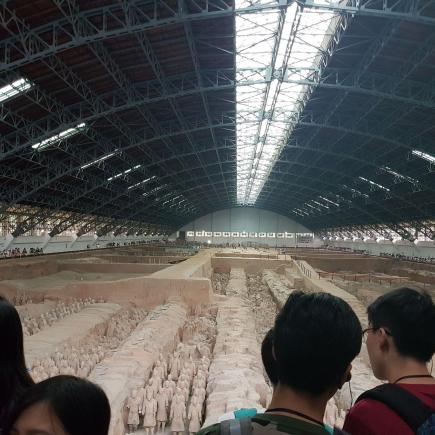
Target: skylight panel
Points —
{"points": [[276, 53], [127, 171], [101, 159], [15, 88], [424, 156], [374, 184], [59, 137]]}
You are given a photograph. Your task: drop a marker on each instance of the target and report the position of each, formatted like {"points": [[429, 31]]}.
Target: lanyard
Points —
{"points": [[299, 414], [412, 376]]}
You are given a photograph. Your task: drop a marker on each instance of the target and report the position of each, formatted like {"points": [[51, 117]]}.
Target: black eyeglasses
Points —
{"points": [[364, 333]]}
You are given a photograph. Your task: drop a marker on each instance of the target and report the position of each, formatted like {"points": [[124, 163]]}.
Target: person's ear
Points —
{"points": [[384, 342], [347, 376]]}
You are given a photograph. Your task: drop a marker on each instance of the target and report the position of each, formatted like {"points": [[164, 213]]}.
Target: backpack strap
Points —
{"points": [[337, 431], [236, 426], [407, 406]]}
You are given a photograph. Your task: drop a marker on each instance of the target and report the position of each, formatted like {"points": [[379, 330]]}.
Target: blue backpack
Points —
{"points": [[416, 414]]}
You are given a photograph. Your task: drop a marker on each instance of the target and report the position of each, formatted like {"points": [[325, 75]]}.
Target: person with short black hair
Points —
{"points": [[14, 377], [269, 362], [61, 405], [315, 338], [400, 342]]}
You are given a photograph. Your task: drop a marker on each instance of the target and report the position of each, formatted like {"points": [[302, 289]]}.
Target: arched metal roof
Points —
{"points": [[132, 115]]}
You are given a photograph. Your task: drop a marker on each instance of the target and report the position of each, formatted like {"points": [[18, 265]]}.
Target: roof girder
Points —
{"points": [[327, 122], [31, 46]]}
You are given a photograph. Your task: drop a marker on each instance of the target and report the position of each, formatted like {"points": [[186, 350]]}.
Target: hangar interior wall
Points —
{"points": [[66, 243], [248, 225]]}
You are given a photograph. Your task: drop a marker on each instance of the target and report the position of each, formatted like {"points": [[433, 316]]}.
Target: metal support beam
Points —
{"points": [[28, 45]]}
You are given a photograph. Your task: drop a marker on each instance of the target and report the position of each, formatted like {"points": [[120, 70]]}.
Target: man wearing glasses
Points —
{"points": [[308, 357], [400, 343]]}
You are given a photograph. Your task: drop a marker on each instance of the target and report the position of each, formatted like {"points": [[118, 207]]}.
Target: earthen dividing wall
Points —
{"points": [[27, 269], [356, 264], [111, 267], [413, 265], [424, 277], [250, 265], [236, 377], [295, 280], [197, 266], [249, 255], [146, 259], [279, 291], [316, 284], [142, 292], [188, 281], [83, 254]]}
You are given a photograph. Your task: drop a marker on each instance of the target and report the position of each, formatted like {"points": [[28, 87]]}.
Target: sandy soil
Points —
{"points": [[368, 292], [89, 260], [61, 279], [35, 309]]}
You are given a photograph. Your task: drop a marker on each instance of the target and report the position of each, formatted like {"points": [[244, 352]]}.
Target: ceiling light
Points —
{"points": [[58, 137], [15, 88], [101, 159], [142, 182], [354, 191], [312, 206], [127, 171], [321, 205], [156, 189], [374, 184], [396, 174], [328, 200]]}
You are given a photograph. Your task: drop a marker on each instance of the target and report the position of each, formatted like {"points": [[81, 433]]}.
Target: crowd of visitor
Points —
{"points": [[17, 252], [397, 256], [307, 355]]}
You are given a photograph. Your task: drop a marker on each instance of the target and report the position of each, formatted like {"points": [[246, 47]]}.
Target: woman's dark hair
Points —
{"points": [[316, 337], [409, 315], [269, 362], [14, 377], [81, 406]]}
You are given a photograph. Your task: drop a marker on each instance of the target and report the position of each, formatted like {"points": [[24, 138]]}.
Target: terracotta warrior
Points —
{"points": [[178, 413], [175, 367], [158, 370], [171, 384], [149, 410], [168, 390], [164, 365], [134, 406], [194, 415], [162, 409]]}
